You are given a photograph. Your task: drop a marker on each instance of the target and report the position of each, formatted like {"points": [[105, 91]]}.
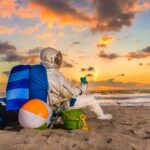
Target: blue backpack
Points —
{"points": [[26, 82], [38, 83]]}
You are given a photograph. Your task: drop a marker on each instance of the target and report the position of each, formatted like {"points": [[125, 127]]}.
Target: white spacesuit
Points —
{"points": [[60, 87]]}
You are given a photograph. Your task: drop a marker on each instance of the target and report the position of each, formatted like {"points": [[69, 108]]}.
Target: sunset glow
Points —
{"points": [[108, 42]]}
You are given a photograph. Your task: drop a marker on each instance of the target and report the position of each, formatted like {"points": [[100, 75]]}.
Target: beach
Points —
{"points": [[128, 130]]}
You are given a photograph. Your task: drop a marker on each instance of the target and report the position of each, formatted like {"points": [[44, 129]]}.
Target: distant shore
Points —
{"points": [[131, 91], [128, 130]]}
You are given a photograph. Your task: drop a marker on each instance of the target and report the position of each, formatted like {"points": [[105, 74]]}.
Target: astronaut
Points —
{"points": [[60, 87]]}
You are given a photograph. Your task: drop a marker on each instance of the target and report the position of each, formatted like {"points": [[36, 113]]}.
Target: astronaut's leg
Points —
{"points": [[90, 102]]}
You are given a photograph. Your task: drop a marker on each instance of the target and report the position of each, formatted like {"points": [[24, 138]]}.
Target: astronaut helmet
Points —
{"points": [[51, 58]]}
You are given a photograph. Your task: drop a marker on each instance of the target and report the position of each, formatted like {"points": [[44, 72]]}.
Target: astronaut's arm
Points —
{"points": [[68, 90]]}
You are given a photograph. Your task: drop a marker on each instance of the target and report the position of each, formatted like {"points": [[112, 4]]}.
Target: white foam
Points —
{"points": [[123, 99]]}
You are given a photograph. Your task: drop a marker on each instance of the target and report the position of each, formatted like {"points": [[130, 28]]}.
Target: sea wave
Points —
{"points": [[123, 100]]}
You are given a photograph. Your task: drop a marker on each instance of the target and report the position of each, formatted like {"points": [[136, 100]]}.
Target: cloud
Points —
{"points": [[33, 56], [83, 69], [43, 35], [110, 56], [7, 8], [104, 15], [31, 59], [9, 53], [76, 43], [89, 75], [112, 82], [98, 15], [101, 45], [61, 7], [36, 50], [66, 64], [104, 41], [139, 8], [121, 75], [136, 55], [140, 64], [6, 30], [88, 69], [27, 12], [25, 59], [59, 11], [146, 50], [6, 47], [143, 53], [31, 30], [13, 57], [91, 68], [83, 57], [113, 15]]}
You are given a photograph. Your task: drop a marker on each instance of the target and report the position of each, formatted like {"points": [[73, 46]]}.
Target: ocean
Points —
{"points": [[120, 99], [136, 99]]}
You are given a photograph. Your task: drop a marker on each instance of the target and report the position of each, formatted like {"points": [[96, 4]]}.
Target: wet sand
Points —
{"points": [[128, 130]]}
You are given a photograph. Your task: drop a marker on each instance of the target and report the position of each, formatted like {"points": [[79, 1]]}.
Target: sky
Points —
{"points": [[108, 41]]}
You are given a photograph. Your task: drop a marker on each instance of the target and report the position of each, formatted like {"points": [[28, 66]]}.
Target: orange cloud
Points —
{"points": [[105, 40], [138, 7], [31, 59], [106, 15], [53, 12], [28, 12], [49, 35], [51, 16], [133, 55], [31, 30], [43, 35], [143, 53], [7, 8], [6, 30]]}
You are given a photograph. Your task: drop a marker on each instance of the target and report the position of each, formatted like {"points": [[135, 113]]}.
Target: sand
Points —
{"points": [[129, 130]]}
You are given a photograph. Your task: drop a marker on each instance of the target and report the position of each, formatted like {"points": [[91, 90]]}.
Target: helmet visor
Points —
{"points": [[58, 59]]}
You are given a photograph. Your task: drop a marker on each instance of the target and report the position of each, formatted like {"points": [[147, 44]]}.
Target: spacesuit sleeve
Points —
{"points": [[67, 90]]}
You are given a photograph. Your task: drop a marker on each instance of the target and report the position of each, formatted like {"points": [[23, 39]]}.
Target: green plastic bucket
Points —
{"points": [[71, 118]]}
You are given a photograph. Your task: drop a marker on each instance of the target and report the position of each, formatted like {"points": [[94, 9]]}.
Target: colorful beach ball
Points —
{"points": [[35, 114]]}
